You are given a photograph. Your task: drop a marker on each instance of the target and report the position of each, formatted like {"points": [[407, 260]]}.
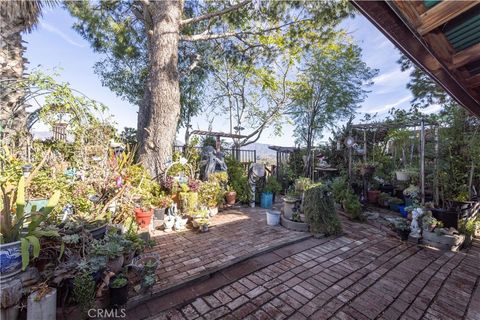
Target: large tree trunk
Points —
{"points": [[158, 119], [13, 115]]}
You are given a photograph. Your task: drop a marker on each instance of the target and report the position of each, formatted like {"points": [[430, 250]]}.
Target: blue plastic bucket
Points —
{"points": [[266, 200], [273, 218], [403, 212]]}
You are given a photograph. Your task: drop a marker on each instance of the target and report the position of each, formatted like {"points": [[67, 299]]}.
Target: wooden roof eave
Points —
{"points": [[392, 24]]}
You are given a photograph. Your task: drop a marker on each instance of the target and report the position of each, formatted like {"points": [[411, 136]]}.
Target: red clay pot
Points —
{"points": [[373, 196], [231, 197], [143, 218]]}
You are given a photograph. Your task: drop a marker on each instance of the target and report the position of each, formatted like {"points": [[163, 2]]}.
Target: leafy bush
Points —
{"points": [[340, 189], [238, 179], [320, 211], [84, 291], [353, 206], [272, 185]]}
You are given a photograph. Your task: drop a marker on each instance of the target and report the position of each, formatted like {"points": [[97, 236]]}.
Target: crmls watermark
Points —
{"points": [[107, 313]]}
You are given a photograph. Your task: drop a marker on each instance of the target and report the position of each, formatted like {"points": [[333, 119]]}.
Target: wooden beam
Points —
{"points": [[442, 13], [384, 15], [466, 56], [441, 46], [474, 81]]}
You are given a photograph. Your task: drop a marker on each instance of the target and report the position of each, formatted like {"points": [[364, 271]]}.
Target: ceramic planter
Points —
{"points": [[288, 205], [231, 197], [213, 211], [45, 308], [402, 175], [143, 218], [115, 264], [373, 196], [118, 296], [159, 213], [10, 260]]}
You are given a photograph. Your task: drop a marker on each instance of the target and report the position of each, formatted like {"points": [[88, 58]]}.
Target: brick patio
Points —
{"points": [[365, 274], [234, 235]]}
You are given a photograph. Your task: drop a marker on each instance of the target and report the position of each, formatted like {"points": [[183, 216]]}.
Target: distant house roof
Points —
{"points": [[440, 37], [283, 149]]}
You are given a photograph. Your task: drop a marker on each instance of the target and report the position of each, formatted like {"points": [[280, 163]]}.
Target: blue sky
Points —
{"points": [[54, 44]]}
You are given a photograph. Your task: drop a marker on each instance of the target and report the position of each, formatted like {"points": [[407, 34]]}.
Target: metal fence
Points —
{"points": [[241, 155]]}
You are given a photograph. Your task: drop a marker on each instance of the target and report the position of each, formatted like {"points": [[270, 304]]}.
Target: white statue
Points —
{"points": [[414, 228]]}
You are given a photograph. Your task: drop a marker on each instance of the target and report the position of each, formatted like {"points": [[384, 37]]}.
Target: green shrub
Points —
{"points": [[320, 211], [353, 206], [84, 292], [238, 179], [272, 185], [340, 189]]}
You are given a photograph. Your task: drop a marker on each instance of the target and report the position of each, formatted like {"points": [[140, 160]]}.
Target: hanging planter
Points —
{"points": [[402, 175], [367, 170]]}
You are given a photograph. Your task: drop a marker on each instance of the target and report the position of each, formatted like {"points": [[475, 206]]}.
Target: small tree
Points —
{"points": [[328, 89]]}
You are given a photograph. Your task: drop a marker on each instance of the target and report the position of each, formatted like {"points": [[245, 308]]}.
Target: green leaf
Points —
{"points": [[25, 246], [35, 244]]}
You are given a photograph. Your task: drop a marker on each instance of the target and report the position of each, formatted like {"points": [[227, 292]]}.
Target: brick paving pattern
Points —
{"points": [[233, 235], [364, 274]]}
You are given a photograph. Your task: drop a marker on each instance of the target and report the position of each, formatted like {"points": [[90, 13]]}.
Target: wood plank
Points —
{"points": [[442, 13], [409, 11], [466, 56], [474, 81], [441, 46]]}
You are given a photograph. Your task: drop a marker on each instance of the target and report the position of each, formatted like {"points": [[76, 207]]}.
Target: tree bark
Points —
{"points": [[158, 119], [13, 116]]}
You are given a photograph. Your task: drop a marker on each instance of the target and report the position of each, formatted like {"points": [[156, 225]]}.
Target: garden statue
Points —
{"points": [[212, 162], [415, 230], [255, 172]]}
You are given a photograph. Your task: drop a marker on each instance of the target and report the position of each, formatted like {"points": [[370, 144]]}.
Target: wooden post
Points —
{"points": [[436, 197], [350, 161], [365, 186], [422, 161], [218, 144]]}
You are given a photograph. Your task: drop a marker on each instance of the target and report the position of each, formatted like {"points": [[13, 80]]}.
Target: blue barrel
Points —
{"points": [[266, 200]]}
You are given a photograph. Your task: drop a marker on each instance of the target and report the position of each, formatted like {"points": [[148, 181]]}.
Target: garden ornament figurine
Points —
{"points": [[255, 172], [415, 230], [212, 162]]}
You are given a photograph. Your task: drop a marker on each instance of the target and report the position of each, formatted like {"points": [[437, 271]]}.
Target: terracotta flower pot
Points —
{"points": [[231, 197], [373, 196], [143, 218]]}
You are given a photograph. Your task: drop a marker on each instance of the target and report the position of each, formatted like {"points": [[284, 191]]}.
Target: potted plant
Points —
{"points": [[14, 242], [403, 229], [161, 204], [411, 195], [203, 225], [112, 251], [273, 186], [402, 175], [394, 203], [97, 228], [383, 199], [367, 169], [143, 213], [118, 291], [210, 196], [230, 196]]}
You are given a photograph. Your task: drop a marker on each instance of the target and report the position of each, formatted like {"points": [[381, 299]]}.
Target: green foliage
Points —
{"points": [[238, 179], [210, 194], [84, 292], [353, 206], [295, 166], [340, 188], [272, 185], [119, 282], [329, 89], [320, 211]]}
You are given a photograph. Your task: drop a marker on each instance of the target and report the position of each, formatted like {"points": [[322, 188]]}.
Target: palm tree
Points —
{"points": [[16, 16]]}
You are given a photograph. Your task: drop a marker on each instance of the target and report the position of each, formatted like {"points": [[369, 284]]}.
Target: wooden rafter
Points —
{"points": [[474, 81], [442, 13], [466, 56]]}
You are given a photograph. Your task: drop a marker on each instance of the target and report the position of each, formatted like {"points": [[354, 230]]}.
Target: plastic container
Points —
{"points": [[273, 218], [402, 210], [266, 200]]}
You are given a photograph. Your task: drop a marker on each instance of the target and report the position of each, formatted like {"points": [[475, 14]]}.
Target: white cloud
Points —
{"points": [[431, 109], [61, 34], [380, 109], [394, 77]]}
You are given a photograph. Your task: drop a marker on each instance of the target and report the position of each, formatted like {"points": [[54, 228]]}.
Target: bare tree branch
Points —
{"points": [[214, 14]]}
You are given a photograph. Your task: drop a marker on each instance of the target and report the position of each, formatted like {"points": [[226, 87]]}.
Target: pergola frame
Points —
{"points": [[422, 123], [218, 135]]}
